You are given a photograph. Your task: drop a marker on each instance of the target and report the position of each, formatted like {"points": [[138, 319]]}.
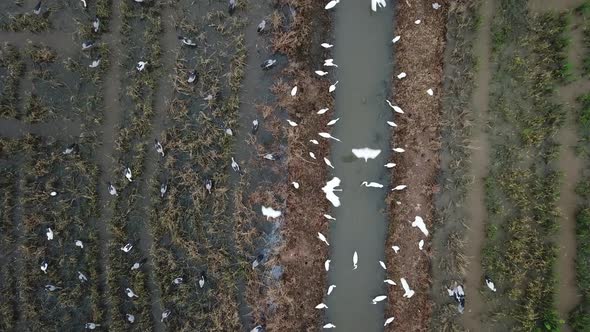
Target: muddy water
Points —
{"points": [[475, 204], [59, 129], [363, 53]]}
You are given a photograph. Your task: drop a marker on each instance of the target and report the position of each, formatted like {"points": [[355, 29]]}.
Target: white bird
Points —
{"points": [[53, 193], [159, 148], [330, 289], [127, 247], [389, 282], [417, 22], [328, 162], [333, 87], [165, 314], [391, 124], [295, 184], [87, 44], [396, 39], [322, 238], [178, 281], [83, 3], [314, 141], [312, 155], [96, 24], [82, 277], [327, 265], [44, 266], [49, 234], [382, 265], [390, 165], [329, 326], [112, 190], [401, 75], [137, 265], [371, 184], [355, 260], [141, 65], [128, 174], [326, 45], [257, 328], [395, 248], [51, 288], [330, 63], [388, 321], [94, 63], [397, 109], [229, 132], [202, 280], [261, 26], [399, 187], [419, 222], [163, 189], [234, 165], [398, 150], [436, 6], [269, 212], [421, 244], [366, 153], [294, 91], [332, 122], [430, 92], [130, 293], [91, 326], [490, 284], [329, 217], [292, 123], [321, 73], [322, 111], [267, 64], [130, 318], [79, 244], [374, 3], [408, 292], [321, 306], [379, 299], [329, 190], [332, 4], [326, 135]]}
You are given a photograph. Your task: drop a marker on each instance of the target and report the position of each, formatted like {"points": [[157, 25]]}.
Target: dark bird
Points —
{"points": [[37, 9], [232, 7]]}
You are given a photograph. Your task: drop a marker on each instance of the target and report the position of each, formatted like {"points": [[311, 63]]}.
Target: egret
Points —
{"points": [[130, 318], [141, 65], [112, 190], [208, 185], [53, 193], [323, 238], [257, 328], [202, 279], [382, 265], [355, 260], [49, 234], [87, 44], [91, 326], [328, 162], [327, 265], [330, 63], [137, 265], [130, 293], [458, 293], [399, 187], [321, 306], [314, 141], [71, 148], [408, 292], [82, 277], [257, 261], [398, 150], [371, 184], [269, 63], [374, 3], [163, 189], [96, 24], [84, 3], [254, 126], [329, 326], [79, 244], [178, 281], [294, 91], [421, 244], [396, 39], [95, 63], [270, 156], [329, 217], [51, 288], [295, 184], [391, 124], [490, 283], [322, 111], [417, 22], [332, 4], [186, 41], [261, 26], [333, 87], [37, 9], [326, 45], [231, 7], [158, 147], [167, 312], [419, 222], [436, 6], [390, 165], [229, 132], [330, 289], [128, 174], [333, 122], [127, 247], [388, 321], [269, 212], [397, 109], [321, 73], [379, 299], [234, 165], [395, 248], [430, 92], [193, 76], [366, 153], [312, 155], [329, 190], [292, 123], [389, 282], [326, 135], [44, 266], [401, 75]]}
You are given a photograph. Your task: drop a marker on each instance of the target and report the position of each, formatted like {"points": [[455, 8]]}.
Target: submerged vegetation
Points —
{"points": [[12, 68]]}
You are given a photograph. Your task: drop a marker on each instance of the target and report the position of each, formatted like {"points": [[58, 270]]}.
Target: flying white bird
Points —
{"points": [[332, 4], [417, 22], [399, 187], [330, 63], [395, 248], [329, 326], [329, 217], [294, 91], [49, 234], [374, 3], [390, 165], [322, 238], [321, 306], [328, 162], [269, 212], [366, 153], [419, 222], [396, 39], [234, 165], [322, 111], [327, 265], [295, 184], [382, 265], [490, 284], [141, 65], [391, 124], [329, 190], [396, 109], [408, 292], [330, 289], [421, 244], [321, 73], [332, 122], [292, 123], [127, 247], [128, 174], [401, 75], [130, 293], [430, 92], [326, 135], [314, 141], [388, 321], [379, 299], [355, 260], [333, 87], [389, 282], [312, 155], [326, 45], [79, 244], [371, 184], [398, 150]]}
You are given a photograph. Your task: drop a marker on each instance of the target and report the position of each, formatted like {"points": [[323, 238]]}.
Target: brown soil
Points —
{"points": [[419, 54]]}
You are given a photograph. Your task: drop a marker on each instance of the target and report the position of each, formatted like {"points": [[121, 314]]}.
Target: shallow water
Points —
{"points": [[363, 53]]}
